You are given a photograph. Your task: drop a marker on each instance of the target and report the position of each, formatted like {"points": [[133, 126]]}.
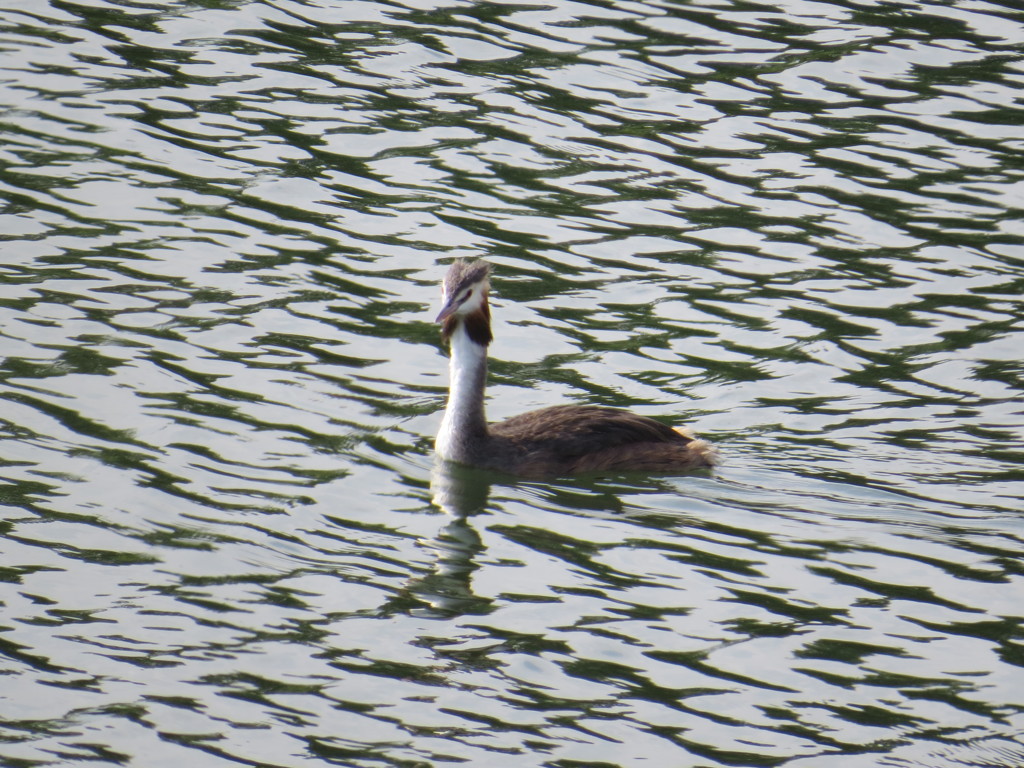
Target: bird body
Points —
{"points": [[563, 439]]}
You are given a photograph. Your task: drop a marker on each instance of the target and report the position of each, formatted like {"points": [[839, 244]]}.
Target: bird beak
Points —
{"points": [[447, 311]]}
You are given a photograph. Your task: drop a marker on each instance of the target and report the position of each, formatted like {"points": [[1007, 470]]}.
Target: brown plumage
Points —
{"points": [[563, 439]]}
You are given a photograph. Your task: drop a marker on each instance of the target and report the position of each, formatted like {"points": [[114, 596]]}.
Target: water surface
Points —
{"points": [[795, 226]]}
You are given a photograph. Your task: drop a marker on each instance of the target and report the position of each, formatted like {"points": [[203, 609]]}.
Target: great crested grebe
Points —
{"points": [[560, 440]]}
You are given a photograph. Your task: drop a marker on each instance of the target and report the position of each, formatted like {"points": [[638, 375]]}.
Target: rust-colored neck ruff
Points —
{"points": [[477, 325]]}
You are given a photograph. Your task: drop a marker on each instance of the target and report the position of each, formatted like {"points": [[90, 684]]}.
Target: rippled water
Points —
{"points": [[796, 226]]}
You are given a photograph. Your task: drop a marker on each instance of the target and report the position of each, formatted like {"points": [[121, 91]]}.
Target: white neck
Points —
{"points": [[464, 426]]}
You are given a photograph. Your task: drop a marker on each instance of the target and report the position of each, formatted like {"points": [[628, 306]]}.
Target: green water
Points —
{"points": [[796, 227]]}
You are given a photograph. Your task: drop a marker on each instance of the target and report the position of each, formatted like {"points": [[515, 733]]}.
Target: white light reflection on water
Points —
{"points": [[795, 226]]}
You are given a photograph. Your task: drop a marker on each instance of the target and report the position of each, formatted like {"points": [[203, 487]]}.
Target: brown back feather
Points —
{"points": [[577, 429], [478, 325], [571, 438], [647, 457]]}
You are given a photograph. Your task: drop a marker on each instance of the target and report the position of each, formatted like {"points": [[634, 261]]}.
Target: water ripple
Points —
{"points": [[795, 226]]}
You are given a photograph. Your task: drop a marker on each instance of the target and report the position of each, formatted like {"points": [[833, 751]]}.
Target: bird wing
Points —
{"points": [[572, 430]]}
